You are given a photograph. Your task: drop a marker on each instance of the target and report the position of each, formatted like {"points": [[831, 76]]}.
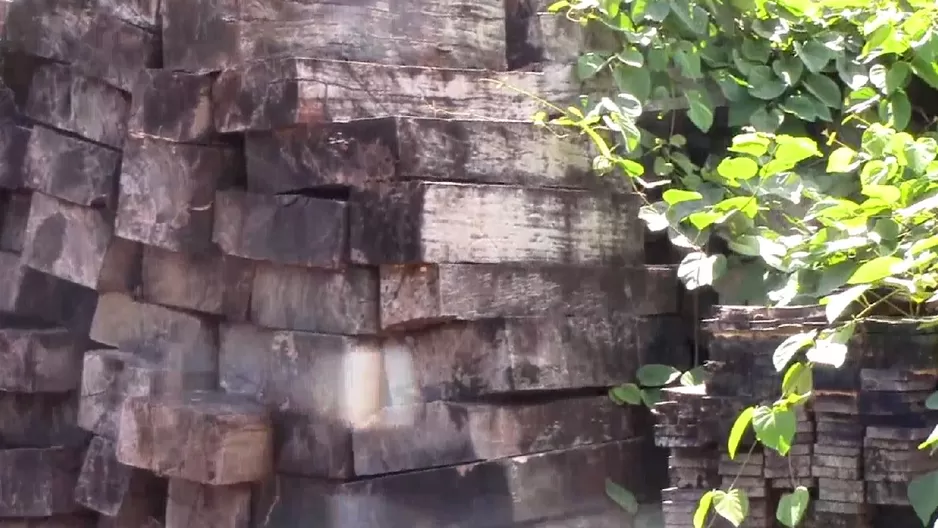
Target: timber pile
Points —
{"points": [[855, 447], [245, 287]]}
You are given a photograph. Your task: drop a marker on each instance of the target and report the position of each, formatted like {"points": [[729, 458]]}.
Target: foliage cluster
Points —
{"points": [[826, 192]]}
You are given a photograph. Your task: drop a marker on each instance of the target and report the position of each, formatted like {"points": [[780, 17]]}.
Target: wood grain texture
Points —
{"points": [[192, 504], [167, 192], [206, 437], [490, 224], [38, 482], [316, 300], [285, 229], [171, 105], [80, 520], [96, 42], [112, 489], [536, 37], [212, 283], [469, 360], [27, 292], [40, 420], [421, 436], [70, 169], [453, 33], [142, 13], [60, 97], [285, 92], [178, 342], [14, 213], [320, 386], [77, 244], [13, 141], [413, 296], [39, 360], [505, 492]]}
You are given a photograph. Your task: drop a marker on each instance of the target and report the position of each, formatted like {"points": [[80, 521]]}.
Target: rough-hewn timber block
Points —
{"points": [[286, 229], [40, 420], [71, 169], [77, 244], [211, 283], [167, 191], [14, 213], [142, 13], [39, 360], [465, 360], [113, 489], [13, 141], [61, 98], [180, 342], [99, 44], [536, 36], [422, 295], [81, 520], [28, 292], [284, 92], [505, 492], [38, 482], [403, 438], [192, 504], [316, 300], [325, 384], [453, 33], [172, 105], [206, 437], [488, 224]]}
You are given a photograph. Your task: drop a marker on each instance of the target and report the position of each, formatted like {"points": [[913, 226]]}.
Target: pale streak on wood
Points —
{"points": [[286, 92], [172, 105]]}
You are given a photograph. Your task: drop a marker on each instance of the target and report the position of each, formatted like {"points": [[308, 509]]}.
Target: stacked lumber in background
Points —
{"points": [[284, 264]]}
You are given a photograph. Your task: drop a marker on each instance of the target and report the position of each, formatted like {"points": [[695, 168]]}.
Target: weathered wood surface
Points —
{"points": [[39, 360], [13, 141], [77, 244], [113, 489], [81, 520], [70, 169], [167, 192], [894, 380], [206, 437], [413, 296], [496, 493], [179, 342], [191, 504], [286, 92], [536, 36], [454, 33], [490, 224], [99, 44], [465, 360], [171, 105], [27, 292], [142, 13], [286, 229], [61, 98], [14, 213], [38, 482], [404, 438], [211, 283], [39, 420], [316, 300], [364, 152]]}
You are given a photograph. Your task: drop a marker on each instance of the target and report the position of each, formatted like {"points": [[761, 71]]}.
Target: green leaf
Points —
{"points": [[898, 111], [775, 427], [676, 196], [830, 348], [733, 89], [737, 168], [852, 73], [655, 375], [767, 120], [874, 270], [694, 17], [698, 269], [798, 380], [793, 506], [589, 64], [650, 397], [704, 219], [739, 429], [732, 506], [621, 496], [764, 84], [700, 109], [887, 193], [789, 69], [687, 59], [793, 149], [695, 376], [787, 349], [747, 205], [752, 144], [825, 89], [921, 153], [923, 495], [932, 402], [897, 77], [756, 50], [801, 106], [703, 508], [931, 441], [628, 393], [837, 303], [657, 10], [878, 77], [634, 81], [814, 55], [654, 216], [841, 160]]}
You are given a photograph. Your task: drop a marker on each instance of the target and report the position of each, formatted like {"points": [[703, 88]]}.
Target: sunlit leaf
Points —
{"points": [[656, 375], [623, 497], [792, 506], [739, 429]]}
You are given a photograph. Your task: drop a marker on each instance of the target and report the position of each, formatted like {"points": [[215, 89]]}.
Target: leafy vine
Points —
{"points": [[825, 194]]}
